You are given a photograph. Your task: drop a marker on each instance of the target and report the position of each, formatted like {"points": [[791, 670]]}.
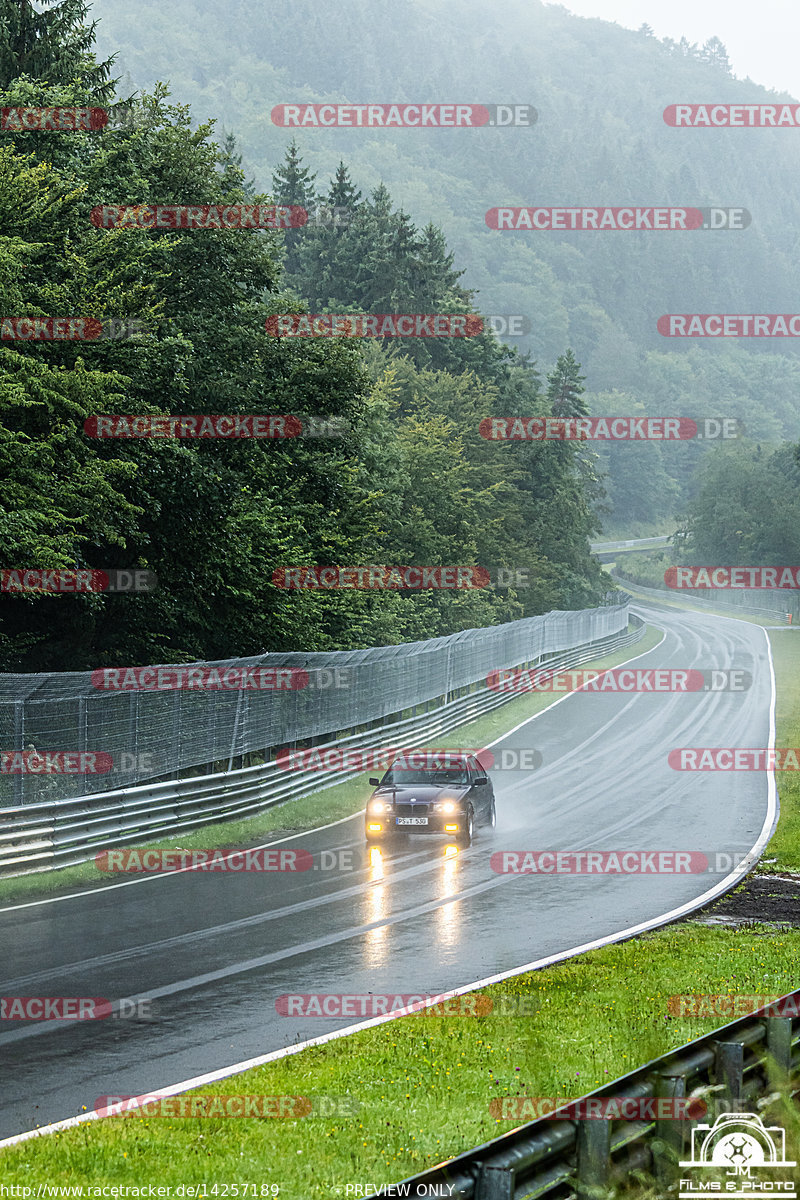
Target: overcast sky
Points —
{"points": [[761, 37]]}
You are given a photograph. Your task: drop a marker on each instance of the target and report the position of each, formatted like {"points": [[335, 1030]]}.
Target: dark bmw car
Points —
{"points": [[450, 800]]}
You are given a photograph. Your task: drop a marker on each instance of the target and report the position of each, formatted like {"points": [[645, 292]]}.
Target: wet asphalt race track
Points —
{"points": [[215, 951]]}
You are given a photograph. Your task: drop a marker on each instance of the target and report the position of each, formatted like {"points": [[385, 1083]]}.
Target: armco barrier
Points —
{"points": [[607, 552], [147, 732], [565, 1159], [753, 602], [65, 832]]}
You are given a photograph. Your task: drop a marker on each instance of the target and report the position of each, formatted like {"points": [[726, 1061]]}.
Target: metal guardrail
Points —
{"points": [[166, 721], [554, 1159], [647, 543], [609, 552], [62, 833], [782, 604]]}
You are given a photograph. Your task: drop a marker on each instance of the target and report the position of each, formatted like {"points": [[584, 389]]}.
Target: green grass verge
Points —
{"points": [[785, 845], [424, 1083], [308, 812]]}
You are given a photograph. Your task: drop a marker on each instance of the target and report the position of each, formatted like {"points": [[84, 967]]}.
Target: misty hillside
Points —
{"points": [[600, 139], [600, 92]]}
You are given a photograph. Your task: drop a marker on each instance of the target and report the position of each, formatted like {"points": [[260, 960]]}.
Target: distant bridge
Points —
{"points": [[610, 551]]}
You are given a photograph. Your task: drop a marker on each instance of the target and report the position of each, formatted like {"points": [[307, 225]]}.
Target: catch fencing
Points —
{"points": [[63, 829], [149, 732], [755, 602], [734, 1069]]}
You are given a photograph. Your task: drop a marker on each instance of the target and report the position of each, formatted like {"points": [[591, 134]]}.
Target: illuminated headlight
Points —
{"points": [[377, 806], [447, 806]]}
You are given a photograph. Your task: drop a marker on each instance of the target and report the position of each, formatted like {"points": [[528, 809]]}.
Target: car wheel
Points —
{"points": [[465, 837]]}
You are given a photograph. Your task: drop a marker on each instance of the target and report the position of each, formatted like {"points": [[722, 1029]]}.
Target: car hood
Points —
{"points": [[426, 793]]}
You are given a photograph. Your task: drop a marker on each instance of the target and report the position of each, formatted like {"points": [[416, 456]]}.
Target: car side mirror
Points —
{"points": [[481, 779], [374, 783]]}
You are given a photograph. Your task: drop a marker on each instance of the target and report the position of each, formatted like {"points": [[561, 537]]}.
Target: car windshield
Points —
{"points": [[405, 776]]}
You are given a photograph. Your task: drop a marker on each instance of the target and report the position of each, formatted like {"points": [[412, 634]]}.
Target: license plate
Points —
{"points": [[411, 820]]}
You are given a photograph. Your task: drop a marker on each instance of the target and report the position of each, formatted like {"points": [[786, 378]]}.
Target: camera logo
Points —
{"points": [[740, 1143]]}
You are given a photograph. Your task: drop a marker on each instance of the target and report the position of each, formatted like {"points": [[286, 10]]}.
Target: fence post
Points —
{"points": [[779, 1045], [594, 1151], [494, 1183], [728, 1067], [19, 744], [668, 1142]]}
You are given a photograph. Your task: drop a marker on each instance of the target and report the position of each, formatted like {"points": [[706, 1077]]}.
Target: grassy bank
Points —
{"points": [[785, 845], [424, 1084]]}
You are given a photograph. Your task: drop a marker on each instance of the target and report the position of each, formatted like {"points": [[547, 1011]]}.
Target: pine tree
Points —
{"points": [[565, 388], [343, 193], [376, 265], [54, 46], [293, 183], [435, 274], [715, 54], [232, 171]]}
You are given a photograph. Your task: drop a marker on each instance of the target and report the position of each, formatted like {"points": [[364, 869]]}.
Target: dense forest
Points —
{"points": [[408, 479], [400, 473]]}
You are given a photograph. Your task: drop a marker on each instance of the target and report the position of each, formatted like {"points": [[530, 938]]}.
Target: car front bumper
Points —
{"points": [[386, 823]]}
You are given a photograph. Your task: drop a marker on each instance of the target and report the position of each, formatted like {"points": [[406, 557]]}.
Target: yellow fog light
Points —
{"points": [[375, 827], [451, 829]]}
